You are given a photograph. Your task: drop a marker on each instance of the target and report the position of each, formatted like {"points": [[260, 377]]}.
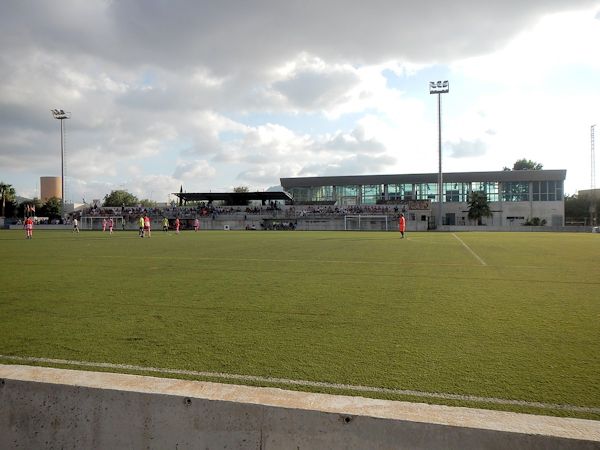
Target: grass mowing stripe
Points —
{"points": [[349, 309], [314, 261], [483, 263], [319, 384]]}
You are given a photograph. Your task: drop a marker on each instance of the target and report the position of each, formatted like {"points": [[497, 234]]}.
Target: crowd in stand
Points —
{"points": [[272, 209]]}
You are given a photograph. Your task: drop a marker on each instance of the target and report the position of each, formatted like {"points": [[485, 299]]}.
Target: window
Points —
{"points": [[300, 194], [513, 191], [400, 191], [312, 194], [347, 195], [547, 191], [489, 188], [426, 191], [370, 193], [456, 192], [452, 196]]}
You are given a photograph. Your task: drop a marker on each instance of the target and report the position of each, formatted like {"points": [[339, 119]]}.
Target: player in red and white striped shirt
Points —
{"points": [[28, 228]]}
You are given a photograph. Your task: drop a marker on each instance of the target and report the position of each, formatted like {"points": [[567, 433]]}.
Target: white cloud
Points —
{"points": [[534, 55], [466, 149], [191, 170], [253, 92]]}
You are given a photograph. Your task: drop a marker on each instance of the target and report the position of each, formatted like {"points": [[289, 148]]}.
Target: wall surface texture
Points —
{"points": [[56, 408]]}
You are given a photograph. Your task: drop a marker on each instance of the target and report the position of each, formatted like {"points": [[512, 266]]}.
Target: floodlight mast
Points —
{"points": [[439, 88], [61, 115]]}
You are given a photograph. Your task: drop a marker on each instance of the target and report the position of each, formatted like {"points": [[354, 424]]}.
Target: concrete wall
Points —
{"points": [[501, 211], [54, 408]]}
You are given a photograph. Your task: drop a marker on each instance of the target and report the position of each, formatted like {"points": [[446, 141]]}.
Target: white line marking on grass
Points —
{"points": [[483, 263], [319, 384]]}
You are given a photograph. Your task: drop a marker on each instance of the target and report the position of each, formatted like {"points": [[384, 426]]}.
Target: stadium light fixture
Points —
{"points": [[61, 115], [439, 88]]}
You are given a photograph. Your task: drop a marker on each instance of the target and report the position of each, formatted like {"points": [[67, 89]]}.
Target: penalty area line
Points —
{"points": [[477, 257], [318, 384]]}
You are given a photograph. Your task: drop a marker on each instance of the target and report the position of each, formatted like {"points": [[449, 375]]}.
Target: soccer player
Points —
{"points": [[147, 224], [111, 224], [75, 225], [196, 224], [165, 224], [141, 225], [402, 225], [103, 225], [28, 225], [177, 225]]}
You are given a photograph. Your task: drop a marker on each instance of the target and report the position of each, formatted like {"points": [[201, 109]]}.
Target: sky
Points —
{"points": [[212, 95]]}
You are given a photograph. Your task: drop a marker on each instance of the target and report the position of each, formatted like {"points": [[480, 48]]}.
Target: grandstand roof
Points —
{"points": [[449, 177], [233, 198]]}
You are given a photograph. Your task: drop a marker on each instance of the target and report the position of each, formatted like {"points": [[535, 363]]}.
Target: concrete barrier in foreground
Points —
{"points": [[56, 408]]}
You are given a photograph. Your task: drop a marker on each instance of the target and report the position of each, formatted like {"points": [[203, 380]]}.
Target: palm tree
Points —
{"points": [[478, 207], [7, 192]]}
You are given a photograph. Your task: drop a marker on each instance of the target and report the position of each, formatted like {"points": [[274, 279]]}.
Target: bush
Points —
{"points": [[535, 222]]}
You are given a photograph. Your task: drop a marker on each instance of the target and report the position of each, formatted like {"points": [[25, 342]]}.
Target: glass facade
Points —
{"points": [[312, 194], [547, 191], [509, 191], [489, 188], [513, 191], [347, 195], [371, 193], [400, 191], [426, 191]]}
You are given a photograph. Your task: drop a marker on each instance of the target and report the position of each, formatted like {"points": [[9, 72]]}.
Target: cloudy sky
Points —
{"points": [[216, 94]]}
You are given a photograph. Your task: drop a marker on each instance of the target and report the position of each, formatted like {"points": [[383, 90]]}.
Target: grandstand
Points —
{"points": [[515, 196], [322, 203]]}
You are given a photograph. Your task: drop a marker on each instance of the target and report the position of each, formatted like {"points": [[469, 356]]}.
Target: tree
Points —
{"points": [[36, 203], [581, 208], [241, 189], [7, 194], [51, 208], [478, 207], [527, 164], [120, 198], [147, 203]]}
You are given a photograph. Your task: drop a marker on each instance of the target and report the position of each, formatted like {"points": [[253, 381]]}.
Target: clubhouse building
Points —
{"points": [[514, 197]]}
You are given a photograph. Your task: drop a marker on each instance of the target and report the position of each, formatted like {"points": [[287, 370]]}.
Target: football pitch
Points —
{"points": [[506, 321]]}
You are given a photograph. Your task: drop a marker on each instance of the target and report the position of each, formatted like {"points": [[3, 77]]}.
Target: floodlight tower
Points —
{"points": [[61, 115], [439, 88], [592, 178]]}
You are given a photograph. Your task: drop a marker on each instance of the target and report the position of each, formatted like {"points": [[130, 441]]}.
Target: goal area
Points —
{"points": [[365, 222], [95, 222]]}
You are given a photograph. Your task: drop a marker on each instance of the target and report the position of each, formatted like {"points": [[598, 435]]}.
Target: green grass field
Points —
{"points": [[497, 320]]}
